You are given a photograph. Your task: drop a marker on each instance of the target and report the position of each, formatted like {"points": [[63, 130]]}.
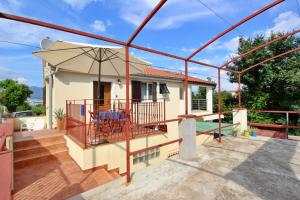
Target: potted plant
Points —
{"points": [[235, 131], [59, 116], [253, 132], [247, 133]]}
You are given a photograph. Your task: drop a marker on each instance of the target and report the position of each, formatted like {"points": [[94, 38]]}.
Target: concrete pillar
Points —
{"points": [[209, 99], [240, 116], [187, 131]]}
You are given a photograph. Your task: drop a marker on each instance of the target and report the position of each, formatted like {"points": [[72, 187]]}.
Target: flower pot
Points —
{"points": [[246, 133], [60, 124], [253, 133]]}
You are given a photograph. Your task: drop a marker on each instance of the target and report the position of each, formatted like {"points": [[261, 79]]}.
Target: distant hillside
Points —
{"points": [[37, 92]]}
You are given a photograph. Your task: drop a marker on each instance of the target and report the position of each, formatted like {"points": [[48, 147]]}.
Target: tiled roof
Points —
{"points": [[162, 73]]}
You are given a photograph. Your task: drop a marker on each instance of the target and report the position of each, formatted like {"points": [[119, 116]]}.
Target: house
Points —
{"points": [[156, 95]]}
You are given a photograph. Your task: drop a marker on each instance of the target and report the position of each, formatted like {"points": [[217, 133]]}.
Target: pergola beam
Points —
{"points": [[89, 35], [272, 58], [212, 66], [235, 26], [259, 47], [146, 20]]}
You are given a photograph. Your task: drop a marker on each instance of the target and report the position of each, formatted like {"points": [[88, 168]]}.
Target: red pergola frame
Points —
{"points": [[129, 44]]}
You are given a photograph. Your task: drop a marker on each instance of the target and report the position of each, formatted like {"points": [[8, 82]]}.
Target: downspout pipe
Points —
{"points": [[53, 71]]}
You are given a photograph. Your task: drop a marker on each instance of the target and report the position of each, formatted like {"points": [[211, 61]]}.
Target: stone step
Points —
{"points": [[39, 158], [38, 141], [38, 148], [102, 176]]}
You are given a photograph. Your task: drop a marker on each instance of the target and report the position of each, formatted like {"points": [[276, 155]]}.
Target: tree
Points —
{"points": [[228, 103], [274, 85], [13, 94]]}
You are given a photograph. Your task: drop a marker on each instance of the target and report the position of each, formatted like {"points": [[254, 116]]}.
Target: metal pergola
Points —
{"points": [[129, 44]]}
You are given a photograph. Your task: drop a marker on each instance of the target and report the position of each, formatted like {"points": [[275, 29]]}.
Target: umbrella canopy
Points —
{"points": [[90, 59]]}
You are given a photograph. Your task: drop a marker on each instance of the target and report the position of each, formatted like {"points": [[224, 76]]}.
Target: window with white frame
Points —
{"points": [[146, 156]]}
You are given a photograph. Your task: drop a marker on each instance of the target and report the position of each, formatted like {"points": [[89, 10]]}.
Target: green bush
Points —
{"points": [[38, 110], [23, 107]]}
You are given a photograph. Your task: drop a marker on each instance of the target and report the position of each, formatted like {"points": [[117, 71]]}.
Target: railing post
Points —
{"points": [[219, 104], [67, 116], [84, 110], [186, 85], [239, 89], [287, 124], [164, 111], [128, 178]]}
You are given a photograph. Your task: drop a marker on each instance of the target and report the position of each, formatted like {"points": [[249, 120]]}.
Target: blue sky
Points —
{"points": [[180, 27]]}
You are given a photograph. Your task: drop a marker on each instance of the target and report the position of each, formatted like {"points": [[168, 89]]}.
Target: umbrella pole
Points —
{"points": [[98, 88]]}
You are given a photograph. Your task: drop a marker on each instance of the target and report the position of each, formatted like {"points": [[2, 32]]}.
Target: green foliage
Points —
{"points": [[274, 85], [59, 114], [38, 109], [228, 103], [13, 94], [23, 107], [201, 93]]}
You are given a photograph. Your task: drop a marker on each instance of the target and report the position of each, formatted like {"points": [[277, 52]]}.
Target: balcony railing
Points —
{"points": [[199, 104], [91, 122]]}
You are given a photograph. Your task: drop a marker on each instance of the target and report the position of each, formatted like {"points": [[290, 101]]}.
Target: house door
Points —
{"points": [[102, 99]]}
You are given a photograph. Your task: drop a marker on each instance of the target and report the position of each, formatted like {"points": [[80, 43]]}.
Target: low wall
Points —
{"points": [[114, 154], [33, 119]]}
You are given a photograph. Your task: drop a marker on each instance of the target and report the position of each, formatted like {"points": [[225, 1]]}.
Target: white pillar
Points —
{"points": [[187, 131], [240, 116], [209, 99]]}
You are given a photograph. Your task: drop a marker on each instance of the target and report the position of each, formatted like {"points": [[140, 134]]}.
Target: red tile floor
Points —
{"points": [[56, 179]]}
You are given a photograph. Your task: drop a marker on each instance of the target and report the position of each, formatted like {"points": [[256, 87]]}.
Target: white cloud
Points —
{"points": [[30, 34], [98, 25], [183, 49], [10, 6], [173, 14], [21, 80], [80, 4], [6, 73], [285, 22], [229, 45]]}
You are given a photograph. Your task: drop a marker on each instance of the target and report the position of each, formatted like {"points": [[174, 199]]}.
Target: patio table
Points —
{"points": [[109, 119]]}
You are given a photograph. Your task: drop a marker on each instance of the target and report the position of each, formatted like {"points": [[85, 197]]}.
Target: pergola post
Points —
{"points": [[128, 178], [239, 89], [186, 86], [219, 104]]}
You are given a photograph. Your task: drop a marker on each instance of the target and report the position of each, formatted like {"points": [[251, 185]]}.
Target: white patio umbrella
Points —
{"points": [[90, 59]]}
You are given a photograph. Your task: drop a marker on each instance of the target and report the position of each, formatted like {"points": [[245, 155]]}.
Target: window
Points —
{"points": [[150, 91], [143, 91], [145, 156], [181, 93], [163, 89]]}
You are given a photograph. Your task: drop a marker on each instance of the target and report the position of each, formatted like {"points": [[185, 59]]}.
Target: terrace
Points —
{"points": [[96, 122], [226, 167]]}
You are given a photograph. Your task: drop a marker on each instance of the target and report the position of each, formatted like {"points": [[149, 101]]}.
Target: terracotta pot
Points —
{"points": [[60, 124]]}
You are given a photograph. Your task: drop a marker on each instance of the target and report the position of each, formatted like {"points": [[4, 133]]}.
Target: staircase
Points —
{"points": [[37, 173], [36, 150]]}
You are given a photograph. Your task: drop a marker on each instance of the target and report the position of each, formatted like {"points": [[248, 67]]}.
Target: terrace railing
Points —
{"points": [[287, 121], [199, 104], [92, 122]]}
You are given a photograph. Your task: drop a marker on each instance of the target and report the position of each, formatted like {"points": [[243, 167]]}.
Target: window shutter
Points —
{"points": [[136, 91], [154, 93]]}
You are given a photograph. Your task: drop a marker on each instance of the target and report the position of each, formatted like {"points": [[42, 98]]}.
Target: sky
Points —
{"points": [[180, 27]]}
